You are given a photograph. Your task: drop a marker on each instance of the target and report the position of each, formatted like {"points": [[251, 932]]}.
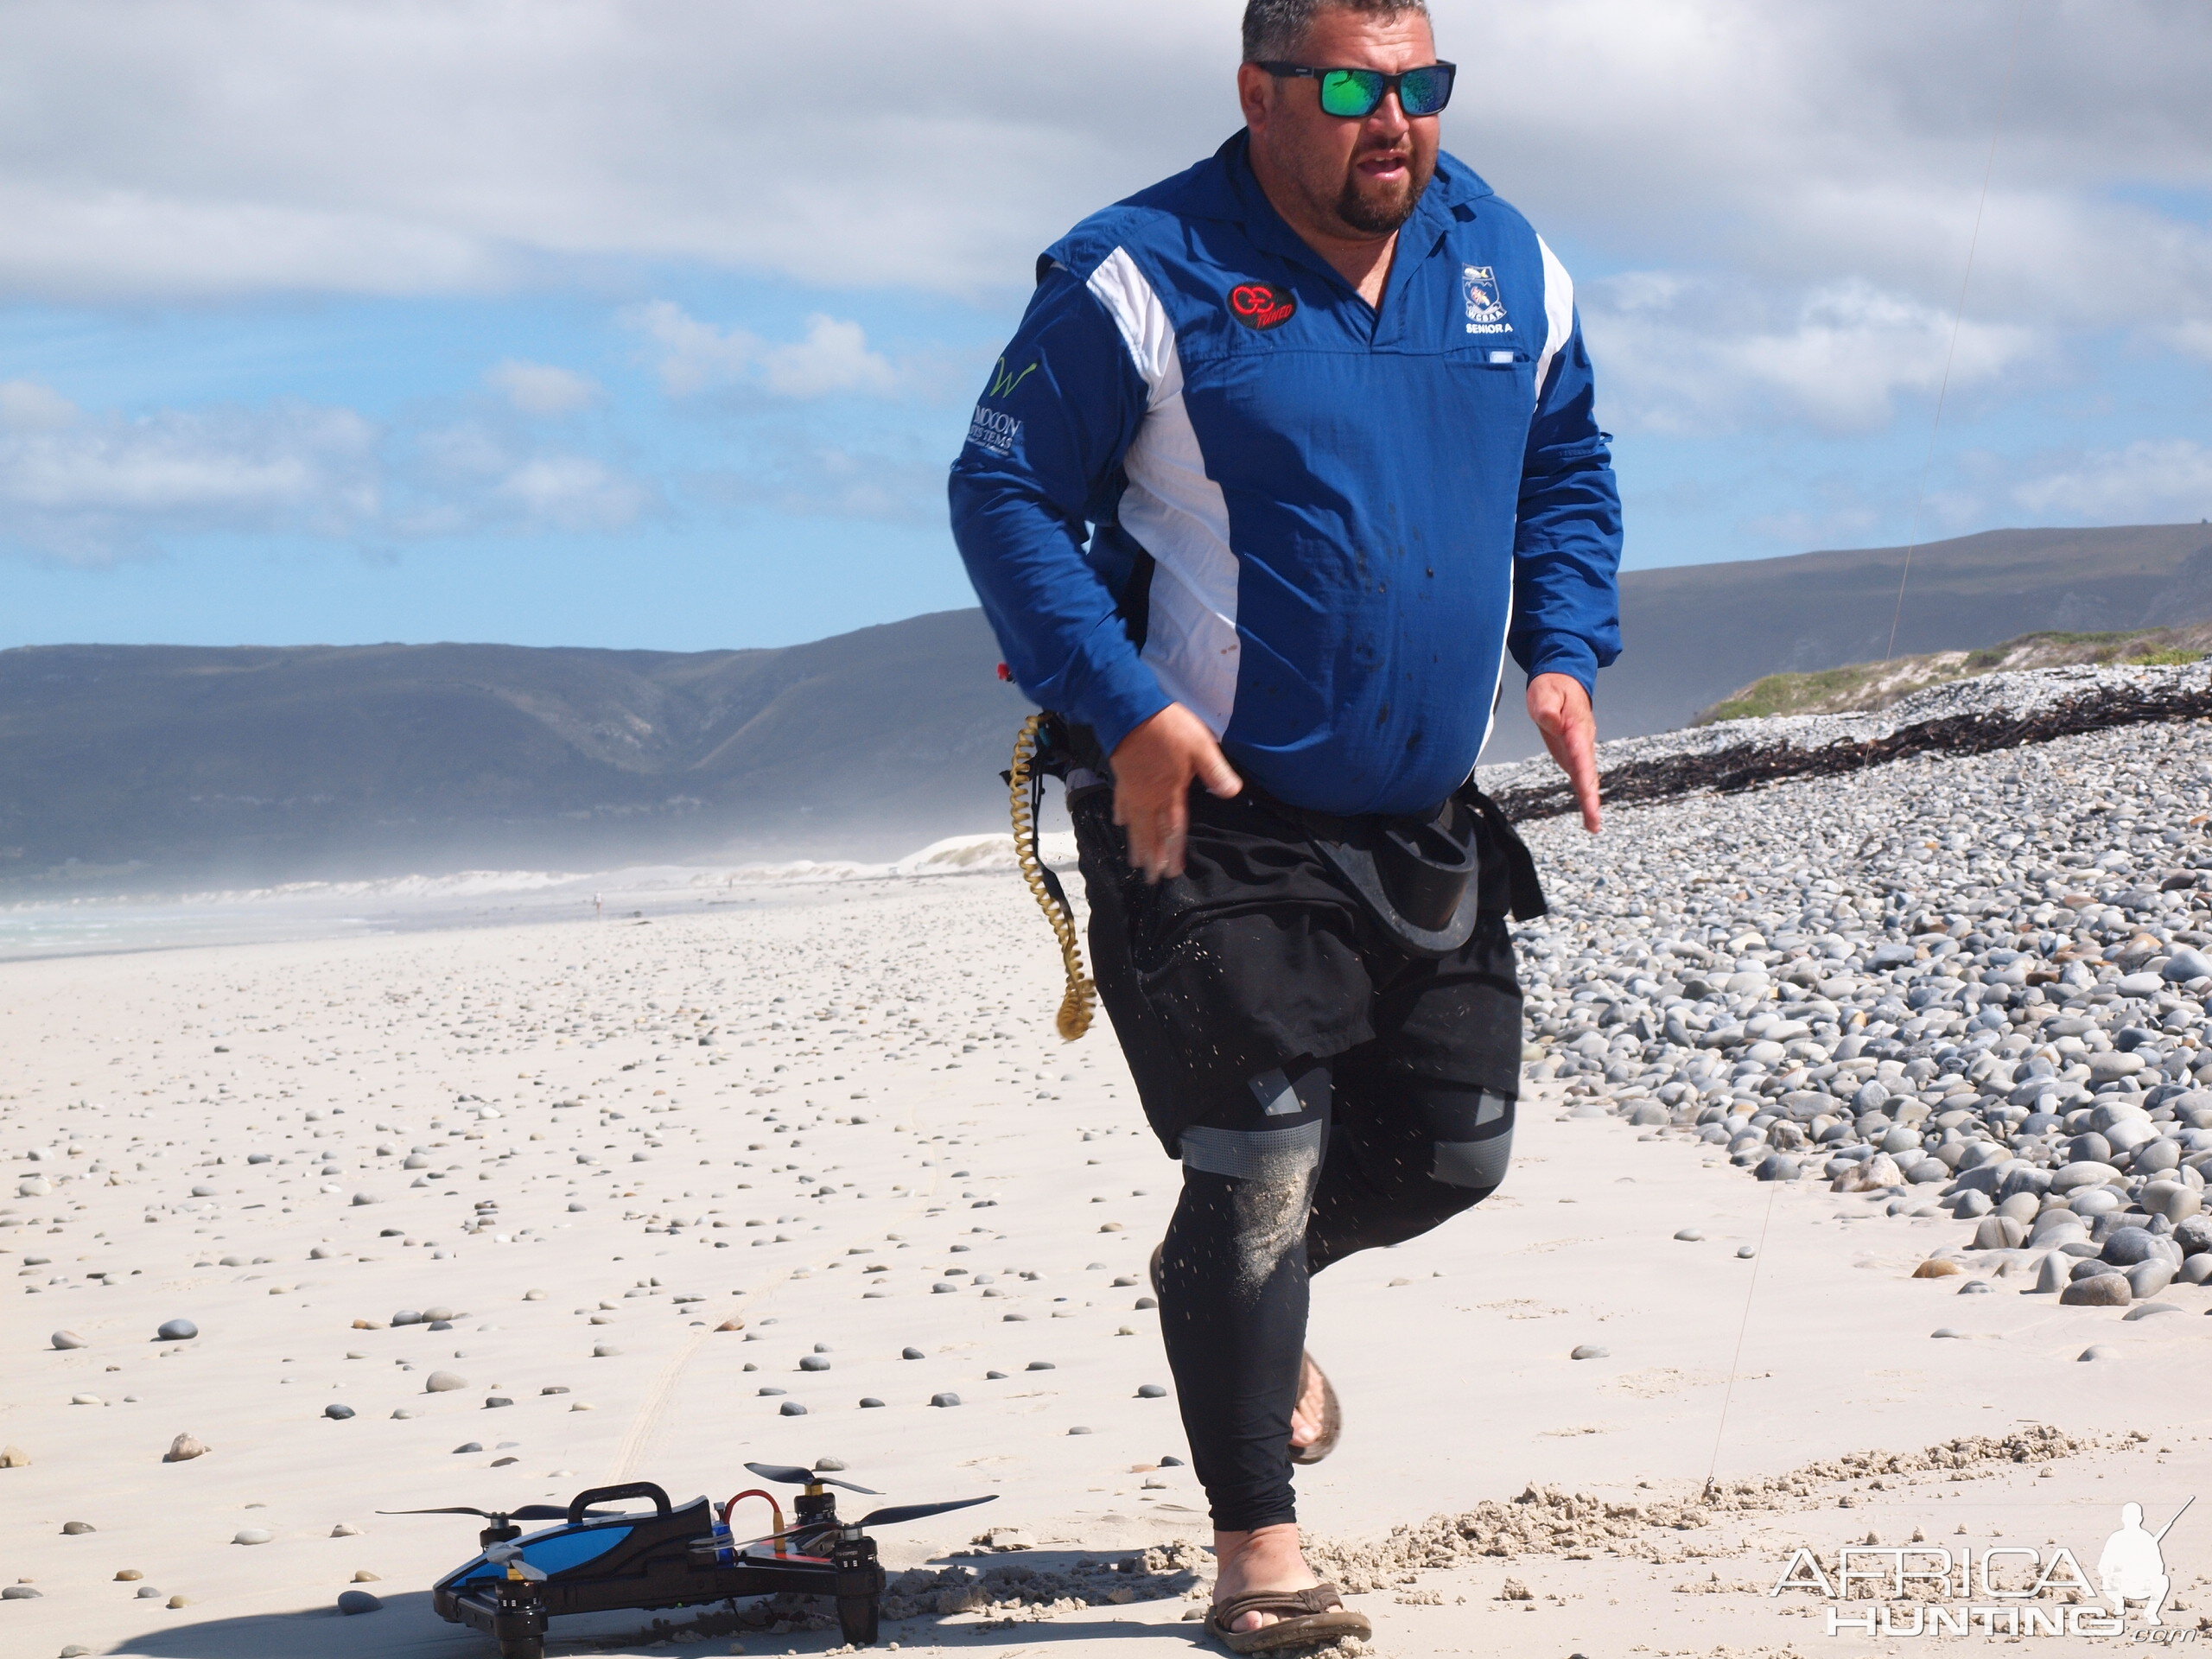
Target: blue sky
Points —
{"points": [[328, 321]]}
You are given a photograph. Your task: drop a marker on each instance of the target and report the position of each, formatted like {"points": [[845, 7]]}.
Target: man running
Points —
{"points": [[1287, 453]]}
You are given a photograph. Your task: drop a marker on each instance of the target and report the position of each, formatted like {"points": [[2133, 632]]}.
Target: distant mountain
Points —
{"points": [[259, 764], [152, 764], [1696, 632]]}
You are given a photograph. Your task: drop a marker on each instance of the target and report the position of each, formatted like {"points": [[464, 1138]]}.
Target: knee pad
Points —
{"points": [[1273, 1130], [1470, 1134]]}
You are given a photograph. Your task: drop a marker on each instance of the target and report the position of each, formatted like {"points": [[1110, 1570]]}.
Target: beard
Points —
{"points": [[1378, 210]]}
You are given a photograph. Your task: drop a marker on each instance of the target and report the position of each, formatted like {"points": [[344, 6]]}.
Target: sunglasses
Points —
{"points": [[1354, 93]]}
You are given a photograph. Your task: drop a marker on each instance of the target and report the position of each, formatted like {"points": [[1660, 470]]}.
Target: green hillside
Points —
{"points": [[1862, 687]]}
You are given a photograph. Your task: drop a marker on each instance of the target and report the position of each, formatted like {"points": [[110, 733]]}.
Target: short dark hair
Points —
{"points": [[1275, 28]]}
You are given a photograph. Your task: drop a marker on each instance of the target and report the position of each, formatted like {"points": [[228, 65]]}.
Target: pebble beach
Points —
{"points": [[1857, 1196]]}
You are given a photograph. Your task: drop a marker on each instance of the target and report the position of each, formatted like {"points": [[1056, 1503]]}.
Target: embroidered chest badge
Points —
{"points": [[1258, 306], [1486, 309]]}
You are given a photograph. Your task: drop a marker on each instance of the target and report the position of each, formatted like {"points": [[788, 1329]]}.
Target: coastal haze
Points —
{"points": [[162, 768]]}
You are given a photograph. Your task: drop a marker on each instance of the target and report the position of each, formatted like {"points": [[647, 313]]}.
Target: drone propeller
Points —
{"points": [[786, 1474], [528, 1512], [916, 1512], [874, 1518]]}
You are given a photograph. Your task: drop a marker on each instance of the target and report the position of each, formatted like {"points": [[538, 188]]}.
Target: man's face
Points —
{"points": [[1354, 179]]}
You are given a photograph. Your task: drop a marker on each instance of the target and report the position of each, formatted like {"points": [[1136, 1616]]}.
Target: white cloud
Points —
{"points": [[26, 406], [2194, 337], [541, 389], [95, 490], [2151, 481], [695, 356], [473, 145], [1685, 356], [572, 493]]}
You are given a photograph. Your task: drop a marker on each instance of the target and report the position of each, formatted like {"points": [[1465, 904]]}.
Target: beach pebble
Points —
{"points": [[813, 1363], [340, 1413], [1745, 1252], [1690, 1236], [19, 1592], [2098, 1290], [253, 1535], [869, 1402], [944, 1399], [1591, 1351], [1078, 1430], [184, 1447], [2098, 1351], [76, 1528], [2148, 1310], [177, 1330], [1947, 1331], [67, 1339], [912, 1353], [604, 1350], [443, 1382], [791, 1408], [1151, 1391], [1039, 1365], [1937, 1267], [357, 1601], [345, 1530]]}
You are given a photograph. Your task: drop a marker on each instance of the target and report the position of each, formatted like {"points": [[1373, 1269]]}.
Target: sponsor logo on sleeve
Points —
{"points": [[993, 429], [1258, 306], [1486, 309]]}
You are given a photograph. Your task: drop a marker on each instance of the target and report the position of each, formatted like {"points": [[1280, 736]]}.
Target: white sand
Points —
{"points": [[923, 1007]]}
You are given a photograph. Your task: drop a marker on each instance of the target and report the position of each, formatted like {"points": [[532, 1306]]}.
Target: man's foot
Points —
{"points": [[1246, 1563]]}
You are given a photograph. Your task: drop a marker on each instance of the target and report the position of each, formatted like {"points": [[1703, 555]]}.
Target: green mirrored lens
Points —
{"points": [[1424, 92], [1352, 91]]}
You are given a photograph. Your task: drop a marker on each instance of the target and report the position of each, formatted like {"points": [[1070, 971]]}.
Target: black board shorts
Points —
{"points": [[1258, 955]]}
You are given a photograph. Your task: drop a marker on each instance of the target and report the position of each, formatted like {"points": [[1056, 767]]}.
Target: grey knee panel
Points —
{"points": [[1480, 1161], [1472, 1163], [1271, 1155]]}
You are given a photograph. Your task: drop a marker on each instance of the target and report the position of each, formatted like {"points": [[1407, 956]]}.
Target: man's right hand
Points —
{"points": [[1153, 769]]}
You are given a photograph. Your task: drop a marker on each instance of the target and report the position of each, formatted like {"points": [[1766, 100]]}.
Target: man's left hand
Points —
{"points": [[1561, 709]]}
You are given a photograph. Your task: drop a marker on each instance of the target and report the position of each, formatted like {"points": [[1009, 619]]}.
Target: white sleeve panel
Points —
{"points": [[1174, 510], [1558, 312]]}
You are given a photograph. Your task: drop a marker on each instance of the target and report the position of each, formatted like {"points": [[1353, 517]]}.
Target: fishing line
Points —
{"points": [[1736, 1363], [1958, 318]]}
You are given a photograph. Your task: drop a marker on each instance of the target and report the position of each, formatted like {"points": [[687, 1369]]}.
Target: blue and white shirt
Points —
{"points": [[1320, 525]]}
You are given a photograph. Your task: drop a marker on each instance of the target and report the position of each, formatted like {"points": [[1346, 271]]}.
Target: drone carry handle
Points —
{"points": [[584, 1500]]}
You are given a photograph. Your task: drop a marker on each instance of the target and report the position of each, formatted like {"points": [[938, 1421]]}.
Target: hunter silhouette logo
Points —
{"points": [[2132, 1567], [1257, 306]]}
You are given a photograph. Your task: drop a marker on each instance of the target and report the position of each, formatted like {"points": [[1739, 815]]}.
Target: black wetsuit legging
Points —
{"points": [[1280, 1180]]}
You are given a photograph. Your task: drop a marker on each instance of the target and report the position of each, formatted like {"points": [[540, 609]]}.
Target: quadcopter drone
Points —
{"points": [[597, 1560]]}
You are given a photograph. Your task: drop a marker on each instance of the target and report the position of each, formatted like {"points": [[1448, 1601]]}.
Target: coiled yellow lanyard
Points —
{"points": [[1076, 1006]]}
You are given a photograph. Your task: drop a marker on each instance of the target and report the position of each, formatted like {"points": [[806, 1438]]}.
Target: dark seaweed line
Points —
{"points": [[1730, 771]]}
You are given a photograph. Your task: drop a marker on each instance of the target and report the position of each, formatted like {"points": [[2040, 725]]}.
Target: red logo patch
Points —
{"points": [[1257, 306]]}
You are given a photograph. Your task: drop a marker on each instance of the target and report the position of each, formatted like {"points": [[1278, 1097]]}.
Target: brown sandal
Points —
{"points": [[1306, 1619], [1332, 1415]]}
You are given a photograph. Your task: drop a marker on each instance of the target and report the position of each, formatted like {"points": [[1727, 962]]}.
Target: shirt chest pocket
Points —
{"points": [[1499, 379]]}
